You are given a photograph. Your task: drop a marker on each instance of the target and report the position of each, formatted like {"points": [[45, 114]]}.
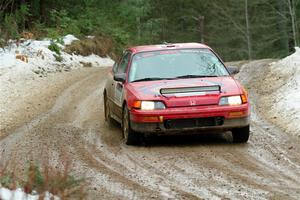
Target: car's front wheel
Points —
{"points": [[130, 136], [241, 135]]}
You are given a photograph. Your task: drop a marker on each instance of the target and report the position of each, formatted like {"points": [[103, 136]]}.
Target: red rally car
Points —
{"points": [[175, 89]]}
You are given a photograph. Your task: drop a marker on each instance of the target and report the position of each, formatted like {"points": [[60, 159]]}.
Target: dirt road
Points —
{"points": [[193, 167]]}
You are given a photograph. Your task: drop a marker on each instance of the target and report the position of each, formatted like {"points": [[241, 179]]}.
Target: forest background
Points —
{"points": [[236, 29]]}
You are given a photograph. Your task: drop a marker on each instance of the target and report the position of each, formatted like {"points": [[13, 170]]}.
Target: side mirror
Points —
{"points": [[120, 77], [233, 70]]}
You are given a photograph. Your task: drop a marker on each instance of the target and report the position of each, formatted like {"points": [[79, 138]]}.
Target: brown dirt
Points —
{"points": [[32, 97], [190, 167], [97, 45]]}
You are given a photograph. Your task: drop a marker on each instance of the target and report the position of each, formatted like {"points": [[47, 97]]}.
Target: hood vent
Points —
{"points": [[190, 91]]}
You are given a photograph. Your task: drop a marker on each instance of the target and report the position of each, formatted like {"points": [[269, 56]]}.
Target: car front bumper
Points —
{"points": [[190, 119]]}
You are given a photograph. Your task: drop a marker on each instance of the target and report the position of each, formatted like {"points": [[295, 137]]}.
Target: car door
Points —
{"points": [[110, 84], [118, 86]]}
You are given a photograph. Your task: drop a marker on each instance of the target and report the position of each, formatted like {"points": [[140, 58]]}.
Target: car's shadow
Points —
{"points": [[211, 138], [184, 140]]}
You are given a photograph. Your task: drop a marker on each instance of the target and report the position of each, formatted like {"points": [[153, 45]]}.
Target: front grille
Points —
{"points": [[193, 122]]}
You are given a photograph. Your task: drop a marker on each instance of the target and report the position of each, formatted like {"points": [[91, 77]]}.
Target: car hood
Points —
{"points": [[152, 90]]}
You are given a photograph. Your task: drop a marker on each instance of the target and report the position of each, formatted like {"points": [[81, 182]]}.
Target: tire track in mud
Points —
{"points": [[60, 131], [44, 128], [192, 167]]}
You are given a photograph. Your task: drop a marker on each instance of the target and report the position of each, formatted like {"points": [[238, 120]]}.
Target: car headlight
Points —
{"points": [[231, 100], [149, 105]]}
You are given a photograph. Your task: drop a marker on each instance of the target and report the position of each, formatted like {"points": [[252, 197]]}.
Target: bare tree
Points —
{"points": [[6, 4], [200, 28], [292, 12], [242, 27], [289, 14], [248, 34]]}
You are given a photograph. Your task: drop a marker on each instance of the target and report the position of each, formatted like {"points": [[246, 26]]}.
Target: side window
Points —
{"points": [[124, 62], [115, 67]]}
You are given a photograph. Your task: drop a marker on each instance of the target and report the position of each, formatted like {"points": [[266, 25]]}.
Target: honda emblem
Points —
{"points": [[193, 102]]}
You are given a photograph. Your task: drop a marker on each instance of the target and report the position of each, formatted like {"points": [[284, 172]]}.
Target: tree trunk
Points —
{"points": [[201, 28], [292, 12], [138, 24], [42, 11], [282, 26], [249, 44]]}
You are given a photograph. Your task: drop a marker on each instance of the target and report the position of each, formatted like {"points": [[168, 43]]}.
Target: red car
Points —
{"points": [[175, 89]]}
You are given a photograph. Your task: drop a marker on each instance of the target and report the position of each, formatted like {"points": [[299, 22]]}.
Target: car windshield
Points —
{"points": [[173, 64]]}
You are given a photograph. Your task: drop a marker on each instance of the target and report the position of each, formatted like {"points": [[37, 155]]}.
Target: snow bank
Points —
{"points": [[35, 59], [19, 194], [68, 39], [286, 107]]}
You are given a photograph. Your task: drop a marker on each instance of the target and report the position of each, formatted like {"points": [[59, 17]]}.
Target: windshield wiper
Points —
{"points": [[195, 76], [150, 79]]}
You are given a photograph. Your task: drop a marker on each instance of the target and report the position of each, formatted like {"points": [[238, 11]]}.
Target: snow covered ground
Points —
{"points": [[19, 194], [286, 104], [275, 90], [41, 60], [20, 79]]}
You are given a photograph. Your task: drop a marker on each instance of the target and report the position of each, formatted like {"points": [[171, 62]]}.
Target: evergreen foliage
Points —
{"points": [[237, 29]]}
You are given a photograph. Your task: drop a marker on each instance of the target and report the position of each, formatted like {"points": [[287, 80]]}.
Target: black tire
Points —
{"points": [[130, 136], [107, 114], [241, 135]]}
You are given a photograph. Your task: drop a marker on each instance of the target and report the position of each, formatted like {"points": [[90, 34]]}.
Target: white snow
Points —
{"points": [[68, 39], [16, 76], [41, 60], [287, 104], [5, 193], [19, 194]]}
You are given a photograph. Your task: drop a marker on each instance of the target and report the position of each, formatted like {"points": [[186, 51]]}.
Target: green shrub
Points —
{"points": [[60, 18], [85, 25], [52, 33], [58, 58], [22, 16], [6, 180], [38, 29], [10, 27], [46, 178], [73, 28], [54, 47]]}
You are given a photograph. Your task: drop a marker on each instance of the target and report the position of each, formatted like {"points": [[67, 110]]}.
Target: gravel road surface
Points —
{"points": [[69, 124]]}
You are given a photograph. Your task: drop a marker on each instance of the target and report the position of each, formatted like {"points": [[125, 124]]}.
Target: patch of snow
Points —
{"points": [[41, 60], [49, 196], [19, 194], [90, 36], [287, 103], [5, 194], [68, 39]]}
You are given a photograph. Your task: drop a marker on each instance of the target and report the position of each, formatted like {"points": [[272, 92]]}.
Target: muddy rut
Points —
{"points": [[179, 167]]}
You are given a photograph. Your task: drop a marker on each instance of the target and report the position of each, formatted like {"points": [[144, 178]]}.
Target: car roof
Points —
{"points": [[167, 46]]}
